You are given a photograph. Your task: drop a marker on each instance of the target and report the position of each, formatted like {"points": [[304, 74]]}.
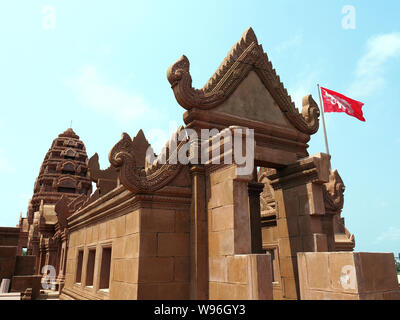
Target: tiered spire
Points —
{"points": [[64, 171]]}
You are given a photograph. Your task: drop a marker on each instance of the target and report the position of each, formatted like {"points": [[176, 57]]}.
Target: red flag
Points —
{"points": [[336, 102]]}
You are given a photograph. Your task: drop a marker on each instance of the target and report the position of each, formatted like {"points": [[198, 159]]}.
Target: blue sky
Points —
{"points": [[102, 64]]}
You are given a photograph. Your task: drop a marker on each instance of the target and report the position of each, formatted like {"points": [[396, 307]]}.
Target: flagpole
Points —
{"points": [[323, 119]]}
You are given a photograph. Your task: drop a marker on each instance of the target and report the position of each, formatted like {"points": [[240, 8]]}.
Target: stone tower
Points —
{"points": [[64, 172]]}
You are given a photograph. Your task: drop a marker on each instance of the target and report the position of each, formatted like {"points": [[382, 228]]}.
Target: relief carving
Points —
{"points": [[124, 158]]}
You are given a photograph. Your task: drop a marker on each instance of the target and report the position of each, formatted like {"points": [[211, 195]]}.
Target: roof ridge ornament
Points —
{"points": [[248, 37], [123, 157], [70, 133]]}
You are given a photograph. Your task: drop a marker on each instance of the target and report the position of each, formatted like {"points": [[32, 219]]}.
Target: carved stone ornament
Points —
{"points": [[267, 198], [65, 207], [62, 211], [137, 179], [246, 55], [95, 173], [333, 192]]}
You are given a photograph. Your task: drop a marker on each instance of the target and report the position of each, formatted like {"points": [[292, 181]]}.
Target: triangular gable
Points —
{"points": [[251, 100], [244, 60]]}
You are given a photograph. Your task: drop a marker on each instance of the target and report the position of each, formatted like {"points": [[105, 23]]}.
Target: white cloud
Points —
{"points": [[295, 41], [93, 91], [370, 67], [5, 165], [392, 234]]}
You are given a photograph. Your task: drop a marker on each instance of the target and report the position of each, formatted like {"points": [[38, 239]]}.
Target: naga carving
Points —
{"points": [[123, 157], [333, 192], [181, 82], [245, 56]]}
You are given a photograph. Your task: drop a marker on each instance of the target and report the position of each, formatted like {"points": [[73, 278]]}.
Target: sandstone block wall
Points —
{"points": [[234, 273], [164, 254], [25, 265], [149, 259], [347, 276], [9, 236], [120, 234], [22, 283], [7, 261]]}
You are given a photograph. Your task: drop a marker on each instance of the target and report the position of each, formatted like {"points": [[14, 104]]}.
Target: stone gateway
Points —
{"points": [[157, 228]]}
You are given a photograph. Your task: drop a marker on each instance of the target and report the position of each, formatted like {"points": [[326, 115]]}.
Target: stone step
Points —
{"points": [[48, 295]]}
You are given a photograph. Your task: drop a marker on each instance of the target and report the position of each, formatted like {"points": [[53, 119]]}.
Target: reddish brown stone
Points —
{"points": [[165, 230]]}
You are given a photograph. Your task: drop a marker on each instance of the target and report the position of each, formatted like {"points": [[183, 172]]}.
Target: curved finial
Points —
{"points": [[121, 151], [310, 113], [174, 72], [333, 192], [249, 36]]}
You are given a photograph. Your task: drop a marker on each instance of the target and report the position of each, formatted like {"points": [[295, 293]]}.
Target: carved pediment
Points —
{"points": [[69, 153], [66, 182], [68, 166], [253, 101], [245, 85]]}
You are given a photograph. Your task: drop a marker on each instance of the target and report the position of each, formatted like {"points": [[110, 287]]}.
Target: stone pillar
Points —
{"points": [[62, 260], [234, 273], [198, 236], [42, 260], [255, 189], [36, 252], [53, 256], [52, 260], [301, 219], [58, 258]]}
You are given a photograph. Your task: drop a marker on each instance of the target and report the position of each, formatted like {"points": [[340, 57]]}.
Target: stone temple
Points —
{"points": [[158, 228]]}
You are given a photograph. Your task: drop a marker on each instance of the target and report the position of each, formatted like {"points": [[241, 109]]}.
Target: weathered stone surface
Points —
{"points": [[348, 275], [5, 285], [7, 261], [22, 283], [24, 265], [9, 236]]}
